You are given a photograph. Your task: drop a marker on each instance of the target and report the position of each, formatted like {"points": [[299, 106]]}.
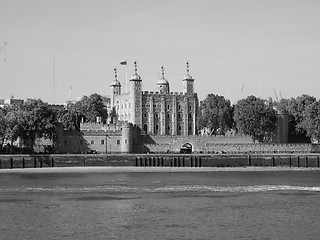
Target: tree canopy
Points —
{"points": [[311, 121], [255, 117], [216, 114]]}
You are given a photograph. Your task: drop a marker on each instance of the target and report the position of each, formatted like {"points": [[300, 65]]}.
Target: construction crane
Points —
{"points": [[3, 49]]}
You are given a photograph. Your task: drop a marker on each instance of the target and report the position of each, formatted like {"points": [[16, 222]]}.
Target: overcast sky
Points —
{"points": [[235, 48]]}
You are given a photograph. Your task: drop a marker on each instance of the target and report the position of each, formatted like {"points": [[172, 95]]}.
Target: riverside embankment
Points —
{"points": [[303, 160]]}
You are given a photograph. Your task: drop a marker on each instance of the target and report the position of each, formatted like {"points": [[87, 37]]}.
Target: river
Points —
{"points": [[211, 204]]}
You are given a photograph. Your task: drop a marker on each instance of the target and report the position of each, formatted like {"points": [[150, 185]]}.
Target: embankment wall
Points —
{"points": [[160, 160]]}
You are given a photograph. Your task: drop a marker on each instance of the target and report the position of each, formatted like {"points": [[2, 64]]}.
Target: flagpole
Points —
{"points": [[126, 76]]}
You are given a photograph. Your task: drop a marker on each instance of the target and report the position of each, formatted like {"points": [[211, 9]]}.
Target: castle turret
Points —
{"points": [[115, 87], [163, 84], [126, 137], [188, 82], [136, 98]]}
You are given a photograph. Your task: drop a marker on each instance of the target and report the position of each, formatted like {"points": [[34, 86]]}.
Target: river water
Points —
{"points": [[160, 205]]}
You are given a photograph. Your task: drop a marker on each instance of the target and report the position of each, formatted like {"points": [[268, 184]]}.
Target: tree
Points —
{"points": [[92, 107], [14, 125], [297, 106], [87, 109], [38, 121], [3, 126], [216, 114], [255, 117], [311, 121]]}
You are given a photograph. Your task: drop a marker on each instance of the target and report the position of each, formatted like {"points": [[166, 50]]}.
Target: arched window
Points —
{"points": [[145, 114], [145, 128]]}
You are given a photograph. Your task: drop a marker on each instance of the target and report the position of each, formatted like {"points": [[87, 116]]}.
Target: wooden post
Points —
{"points": [[273, 163], [35, 163], [52, 162], [23, 163], [306, 161], [290, 161], [11, 163], [249, 160], [298, 161]]}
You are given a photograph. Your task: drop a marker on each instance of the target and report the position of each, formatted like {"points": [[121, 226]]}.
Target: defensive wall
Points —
{"points": [[160, 160], [216, 144]]}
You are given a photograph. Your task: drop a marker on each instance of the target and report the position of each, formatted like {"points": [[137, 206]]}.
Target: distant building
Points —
{"points": [[10, 101]]}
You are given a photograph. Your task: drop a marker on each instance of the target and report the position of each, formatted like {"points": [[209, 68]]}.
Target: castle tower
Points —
{"points": [[136, 98], [188, 82], [126, 138], [115, 87], [163, 84]]}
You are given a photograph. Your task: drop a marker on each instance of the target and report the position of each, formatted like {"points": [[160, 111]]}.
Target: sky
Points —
{"points": [[60, 50]]}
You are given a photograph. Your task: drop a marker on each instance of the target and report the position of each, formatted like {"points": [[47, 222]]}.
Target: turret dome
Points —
{"points": [[135, 76]]}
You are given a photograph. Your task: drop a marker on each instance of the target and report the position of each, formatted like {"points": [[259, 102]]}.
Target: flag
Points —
{"points": [[123, 63]]}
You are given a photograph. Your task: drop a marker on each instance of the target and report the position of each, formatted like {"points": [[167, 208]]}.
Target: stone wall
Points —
{"points": [[160, 160]]}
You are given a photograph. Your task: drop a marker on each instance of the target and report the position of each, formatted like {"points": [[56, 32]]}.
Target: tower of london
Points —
{"points": [[155, 113]]}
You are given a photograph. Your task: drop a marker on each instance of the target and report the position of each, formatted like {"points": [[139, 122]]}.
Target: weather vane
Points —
{"points": [[135, 66], [115, 73], [188, 67]]}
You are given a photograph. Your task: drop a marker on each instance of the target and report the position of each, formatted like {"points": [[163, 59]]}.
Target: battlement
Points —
{"points": [[104, 127], [152, 93]]}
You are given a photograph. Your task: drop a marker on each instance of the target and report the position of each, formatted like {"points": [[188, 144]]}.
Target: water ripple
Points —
{"points": [[170, 189]]}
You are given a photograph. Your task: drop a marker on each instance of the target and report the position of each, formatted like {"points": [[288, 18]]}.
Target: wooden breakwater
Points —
{"points": [[160, 160]]}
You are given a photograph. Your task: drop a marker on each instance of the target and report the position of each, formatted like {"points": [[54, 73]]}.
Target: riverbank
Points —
{"points": [[307, 160], [153, 169]]}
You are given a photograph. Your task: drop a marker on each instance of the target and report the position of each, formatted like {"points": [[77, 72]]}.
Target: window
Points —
{"points": [[102, 141], [118, 142], [92, 142], [126, 141], [190, 115], [157, 127], [145, 128], [154, 105], [168, 128], [156, 115], [145, 115], [168, 116], [179, 128], [179, 115], [179, 107], [168, 106], [190, 106]]}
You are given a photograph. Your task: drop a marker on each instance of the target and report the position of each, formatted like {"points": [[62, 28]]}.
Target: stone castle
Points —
{"points": [[156, 113], [146, 122]]}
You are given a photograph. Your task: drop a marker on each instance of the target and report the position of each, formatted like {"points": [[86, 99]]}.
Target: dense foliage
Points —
{"points": [[36, 119], [255, 117], [216, 114]]}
